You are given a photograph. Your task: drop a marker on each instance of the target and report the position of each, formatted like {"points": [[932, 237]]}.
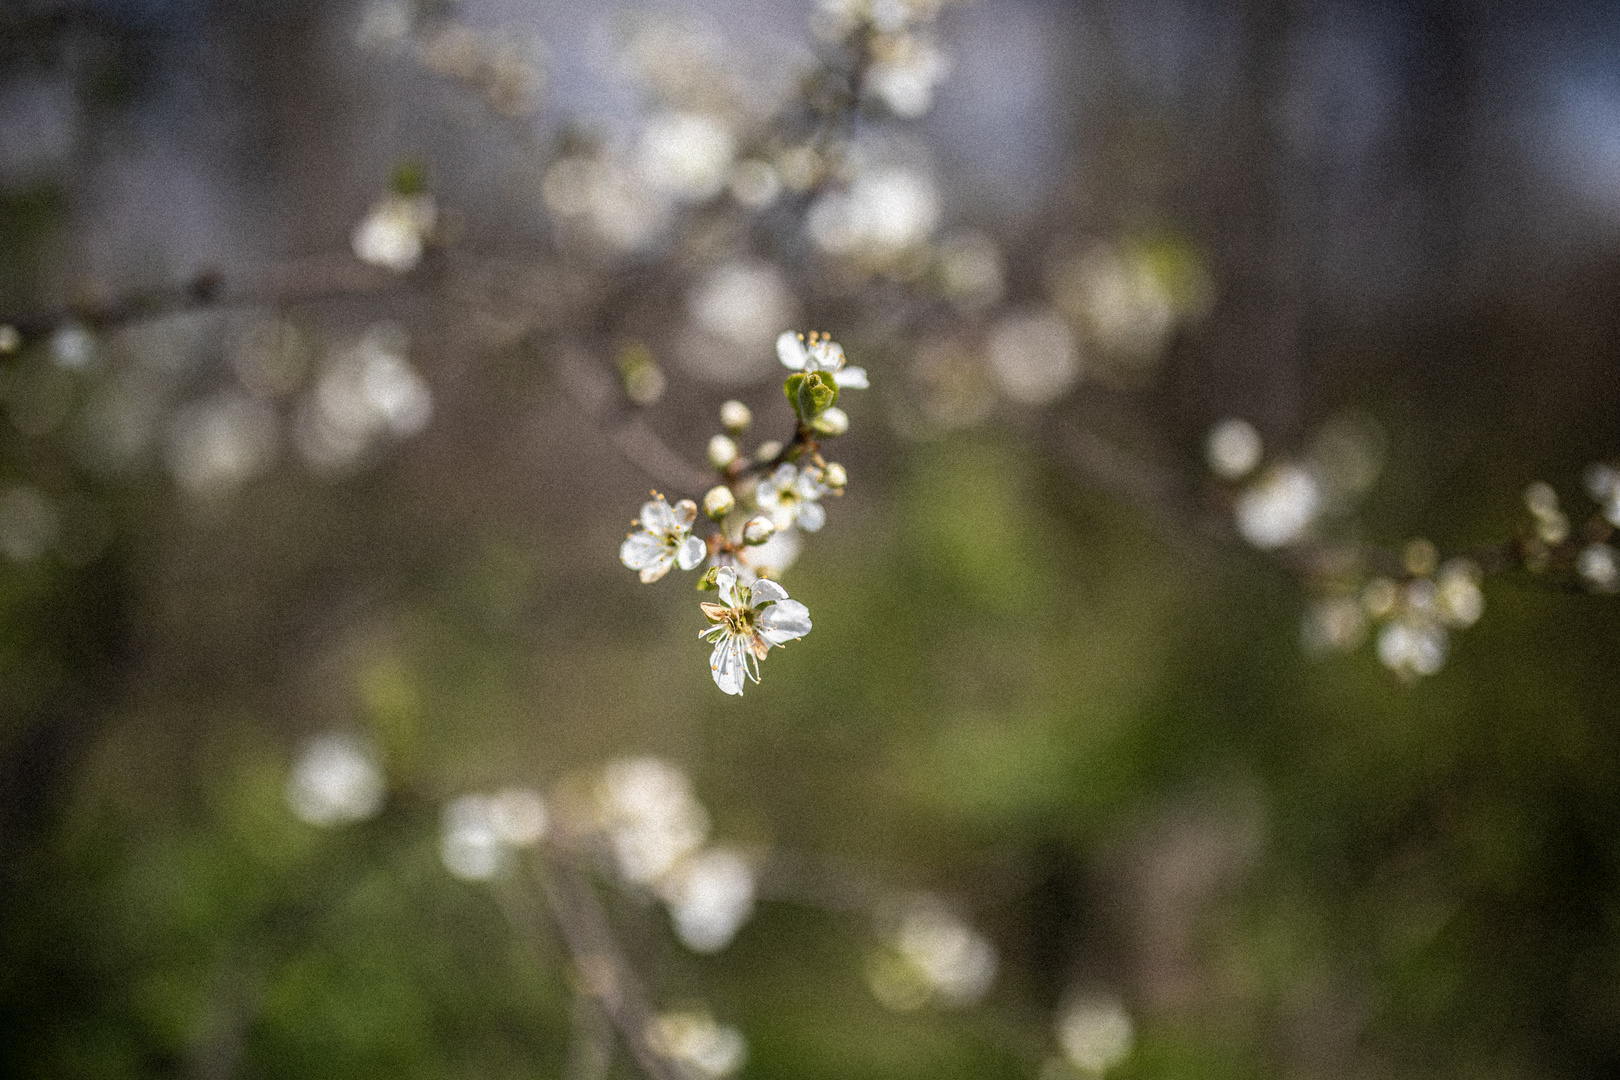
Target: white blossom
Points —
{"points": [[719, 501], [665, 540], [1412, 645], [651, 819], [1033, 357], [1599, 567], [1279, 508], [470, 844], [819, 352], [884, 213], [791, 496], [699, 1047], [735, 416], [686, 155], [710, 895], [392, 234], [1458, 598], [1096, 1033], [957, 961], [335, 780], [906, 74], [748, 620], [1233, 449], [773, 558]]}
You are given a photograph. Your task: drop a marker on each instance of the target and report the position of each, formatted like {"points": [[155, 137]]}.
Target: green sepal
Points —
{"points": [[814, 395], [707, 582]]}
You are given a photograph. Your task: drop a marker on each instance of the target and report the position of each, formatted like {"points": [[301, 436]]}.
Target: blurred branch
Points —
{"points": [[605, 975], [318, 277], [590, 1051]]}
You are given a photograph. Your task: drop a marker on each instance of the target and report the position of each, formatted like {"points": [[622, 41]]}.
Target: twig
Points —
{"points": [[603, 971], [320, 277]]}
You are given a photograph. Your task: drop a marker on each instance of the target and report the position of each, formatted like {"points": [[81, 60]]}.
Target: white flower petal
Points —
{"points": [[692, 552], [726, 579], [657, 517], [851, 378], [685, 512], [783, 621], [826, 356], [657, 570], [811, 516], [767, 592], [727, 666], [790, 350], [641, 550]]}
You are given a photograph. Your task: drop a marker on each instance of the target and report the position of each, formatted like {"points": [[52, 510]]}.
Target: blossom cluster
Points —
{"points": [[1411, 610], [756, 514]]}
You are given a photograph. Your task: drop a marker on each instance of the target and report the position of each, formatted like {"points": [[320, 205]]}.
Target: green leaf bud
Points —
{"points": [[814, 395]]}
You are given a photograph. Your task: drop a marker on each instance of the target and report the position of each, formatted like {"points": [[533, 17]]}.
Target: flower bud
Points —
{"points": [[719, 502], [758, 529], [722, 451], [10, 339], [834, 421], [735, 417], [710, 581], [767, 450], [834, 476]]}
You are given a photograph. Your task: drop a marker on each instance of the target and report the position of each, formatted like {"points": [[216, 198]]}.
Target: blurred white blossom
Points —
{"points": [[710, 895], [1033, 357], [773, 558], [1233, 450], [650, 817], [791, 495], [393, 233], [216, 445], [1280, 507], [366, 392], [1599, 566], [618, 208], [73, 346], [335, 780], [905, 73], [685, 155], [1412, 645], [1095, 1033], [934, 955], [885, 211], [697, 1046], [469, 844]]}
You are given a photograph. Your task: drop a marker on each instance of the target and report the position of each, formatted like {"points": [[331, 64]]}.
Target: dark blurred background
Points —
{"points": [[256, 493]]}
